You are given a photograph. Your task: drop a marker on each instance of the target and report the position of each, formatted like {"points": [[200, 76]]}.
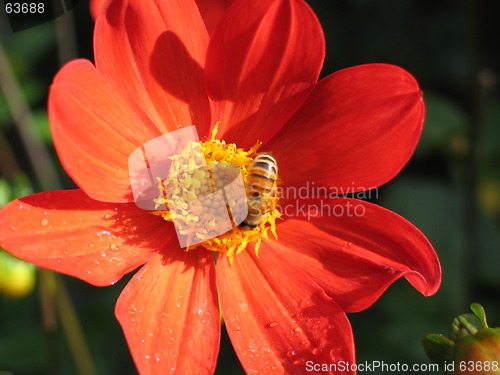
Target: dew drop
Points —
{"points": [[44, 222], [316, 351], [299, 362], [290, 354], [243, 306], [273, 324], [298, 330], [113, 247], [107, 216], [91, 244]]}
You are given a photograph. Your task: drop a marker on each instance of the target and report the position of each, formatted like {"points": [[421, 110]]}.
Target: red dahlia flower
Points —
{"points": [[157, 70]]}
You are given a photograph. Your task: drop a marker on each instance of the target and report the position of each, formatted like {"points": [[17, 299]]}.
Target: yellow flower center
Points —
{"points": [[189, 197]]}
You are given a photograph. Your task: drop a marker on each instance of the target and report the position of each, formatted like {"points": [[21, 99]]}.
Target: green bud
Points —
{"points": [[479, 353], [472, 349]]}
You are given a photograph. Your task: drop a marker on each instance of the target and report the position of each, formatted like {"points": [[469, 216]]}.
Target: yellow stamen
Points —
{"points": [[192, 183]]}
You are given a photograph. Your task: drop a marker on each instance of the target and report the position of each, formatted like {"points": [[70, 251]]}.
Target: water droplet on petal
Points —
{"points": [[273, 324], [316, 351], [44, 222], [290, 354], [107, 216], [113, 247], [299, 362], [91, 244]]}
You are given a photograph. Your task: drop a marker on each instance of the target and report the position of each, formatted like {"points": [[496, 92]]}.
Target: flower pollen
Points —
{"points": [[200, 170]]}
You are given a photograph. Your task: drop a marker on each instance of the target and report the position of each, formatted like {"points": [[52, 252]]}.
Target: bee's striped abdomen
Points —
{"points": [[260, 186], [262, 175]]}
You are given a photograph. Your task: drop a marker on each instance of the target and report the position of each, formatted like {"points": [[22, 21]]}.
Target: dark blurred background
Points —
{"points": [[450, 189]]}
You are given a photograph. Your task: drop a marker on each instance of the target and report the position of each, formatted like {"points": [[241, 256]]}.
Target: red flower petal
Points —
{"points": [[95, 128], [170, 315], [262, 60], [95, 7], [155, 50], [68, 232], [212, 11], [277, 318], [355, 250], [356, 131]]}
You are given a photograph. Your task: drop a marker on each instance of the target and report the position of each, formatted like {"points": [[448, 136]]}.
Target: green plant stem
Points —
{"points": [[66, 37], [24, 121], [72, 331], [8, 163], [47, 292]]}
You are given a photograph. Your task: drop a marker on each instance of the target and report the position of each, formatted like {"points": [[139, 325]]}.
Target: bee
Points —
{"points": [[260, 188]]}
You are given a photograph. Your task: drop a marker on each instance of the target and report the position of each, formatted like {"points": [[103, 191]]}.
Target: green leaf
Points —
{"points": [[438, 348], [478, 310]]}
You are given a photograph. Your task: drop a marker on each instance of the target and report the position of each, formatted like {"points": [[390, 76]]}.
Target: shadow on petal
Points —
{"points": [[186, 83]]}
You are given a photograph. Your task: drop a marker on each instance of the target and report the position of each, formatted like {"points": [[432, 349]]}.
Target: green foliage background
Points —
{"points": [[450, 189]]}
